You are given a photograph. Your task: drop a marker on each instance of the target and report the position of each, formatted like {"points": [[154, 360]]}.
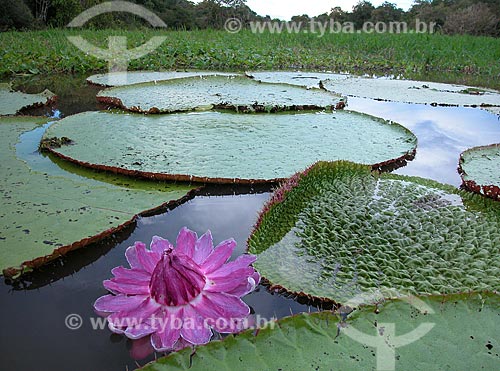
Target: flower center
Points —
{"points": [[176, 280]]}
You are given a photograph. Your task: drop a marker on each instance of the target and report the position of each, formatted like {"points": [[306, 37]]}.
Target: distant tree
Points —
{"points": [[361, 13], [231, 3], [322, 18], [302, 20], [430, 11], [475, 17], [387, 12], [15, 15], [179, 14], [477, 20], [42, 9], [208, 14], [494, 5], [61, 12], [339, 15]]}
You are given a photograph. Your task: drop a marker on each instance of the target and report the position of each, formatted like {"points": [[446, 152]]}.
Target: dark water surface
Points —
{"points": [[33, 312]]}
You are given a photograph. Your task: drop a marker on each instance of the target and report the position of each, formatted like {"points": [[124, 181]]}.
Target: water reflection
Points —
{"points": [[73, 93], [30, 317], [443, 133], [34, 310]]}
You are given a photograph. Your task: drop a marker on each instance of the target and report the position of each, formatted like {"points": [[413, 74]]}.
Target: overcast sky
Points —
{"points": [[285, 9]]}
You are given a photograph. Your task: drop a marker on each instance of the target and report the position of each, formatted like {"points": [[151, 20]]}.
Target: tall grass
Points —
{"points": [[461, 59]]}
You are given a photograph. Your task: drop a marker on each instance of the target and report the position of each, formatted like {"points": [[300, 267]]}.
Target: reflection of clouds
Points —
{"points": [[470, 126], [225, 216], [442, 132], [457, 122], [434, 163], [434, 156], [430, 132]]}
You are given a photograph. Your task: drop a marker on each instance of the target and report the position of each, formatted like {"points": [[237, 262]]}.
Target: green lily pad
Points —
{"points": [[305, 79], [442, 333], [137, 77], [480, 170], [340, 230], [227, 147], [11, 102], [202, 93], [409, 91], [47, 211]]}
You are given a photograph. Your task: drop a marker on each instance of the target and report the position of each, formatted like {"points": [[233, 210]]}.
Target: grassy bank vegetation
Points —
{"points": [[461, 59]]}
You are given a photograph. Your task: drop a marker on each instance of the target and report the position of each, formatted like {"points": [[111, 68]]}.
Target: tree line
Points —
{"points": [[474, 17], [177, 14]]}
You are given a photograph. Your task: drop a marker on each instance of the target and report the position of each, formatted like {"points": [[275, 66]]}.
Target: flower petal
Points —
{"points": [[216, 305], [131, 255], [139, 331], [127, 288], [136, 316], [232, 325], [116, 330], [130, 275], [242, 261], [181, 344], [186, 241], [203, 248], [176, 280], [169, 331], [230, 281], [159, 245], [233, 277], [246, 287], [147, 258], [256, 277], [219, 256], [194, 328], [119, 303]]}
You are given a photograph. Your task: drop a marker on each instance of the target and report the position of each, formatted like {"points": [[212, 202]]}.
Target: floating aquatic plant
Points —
{"points": [[480, 170], [227, 147], [456, 332], [52, 207], [180, 293], [138, 77], [202, 93], [304, 79], [410, 91], [340, 230], [11, 102]]}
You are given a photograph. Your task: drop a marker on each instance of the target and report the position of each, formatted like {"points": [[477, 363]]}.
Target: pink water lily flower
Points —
{"points": [[179, 294]]}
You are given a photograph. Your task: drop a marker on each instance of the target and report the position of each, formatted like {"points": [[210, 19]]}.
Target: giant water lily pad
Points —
{"points": [[341, 230], [409, 91], [227, 147], [137, 77], [435, 333], [47, 211], [11, 102], [480, 169], [305, 79], [240, 93]]}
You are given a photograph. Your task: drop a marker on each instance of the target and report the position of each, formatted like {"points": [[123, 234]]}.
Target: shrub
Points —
{"points": [[15, 14], [477, 19]]}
